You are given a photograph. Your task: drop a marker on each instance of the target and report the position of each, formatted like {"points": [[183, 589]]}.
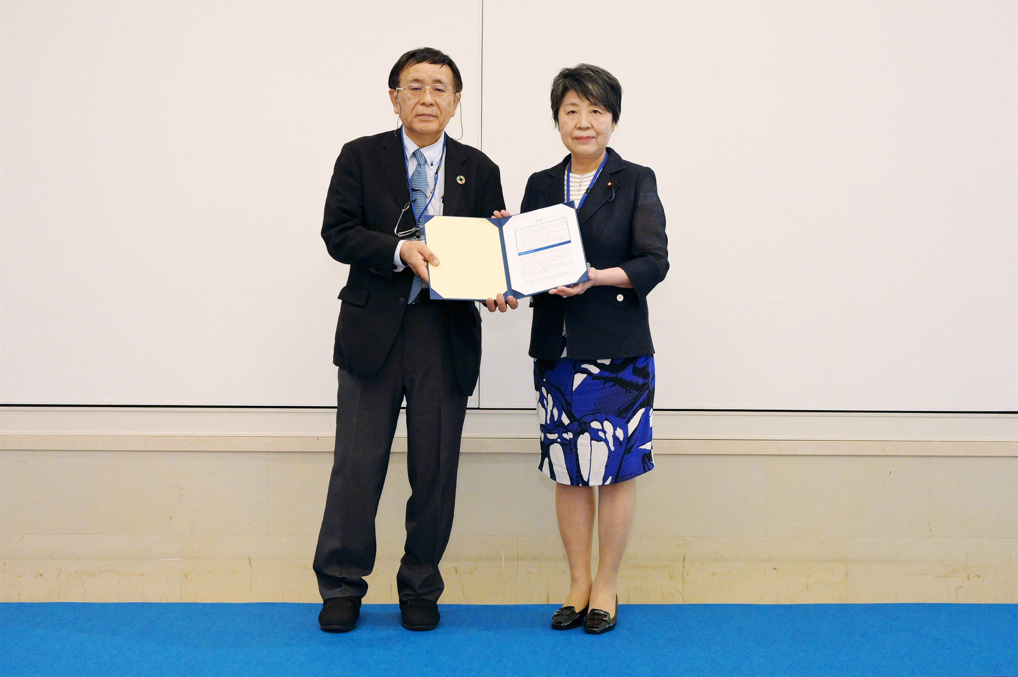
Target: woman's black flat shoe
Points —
{"points": [[599, 622], [568, 618]]}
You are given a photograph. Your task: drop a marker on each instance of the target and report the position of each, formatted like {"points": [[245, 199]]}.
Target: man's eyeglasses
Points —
{"points": [[416, 91], [406, 232]]}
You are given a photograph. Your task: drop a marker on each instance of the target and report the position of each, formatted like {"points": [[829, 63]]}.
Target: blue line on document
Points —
{"points": [[541, 249]]}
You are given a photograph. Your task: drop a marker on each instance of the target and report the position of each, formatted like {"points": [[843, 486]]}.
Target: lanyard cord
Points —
{"points": [[569, 170]]}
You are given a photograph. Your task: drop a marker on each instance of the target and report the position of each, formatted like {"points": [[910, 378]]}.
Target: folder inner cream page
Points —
{"points": [[470, 258]]}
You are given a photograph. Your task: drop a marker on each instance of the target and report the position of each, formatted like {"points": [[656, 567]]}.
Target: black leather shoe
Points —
{"points": [[599, 622], [567, 618], [340, 614], [419, 614]]}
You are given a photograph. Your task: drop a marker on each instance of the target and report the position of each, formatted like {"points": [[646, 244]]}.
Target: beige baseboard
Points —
{"points": [[165, 505]]}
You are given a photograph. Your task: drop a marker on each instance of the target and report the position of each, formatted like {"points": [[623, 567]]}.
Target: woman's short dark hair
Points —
{"points": [[425, 55], [593, 83]]}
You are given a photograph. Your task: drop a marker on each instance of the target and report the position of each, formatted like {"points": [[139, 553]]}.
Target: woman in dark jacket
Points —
{"points": [[591, 343]]}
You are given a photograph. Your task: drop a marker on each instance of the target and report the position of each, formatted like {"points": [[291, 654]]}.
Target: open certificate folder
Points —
{"points": [[519, 255]]}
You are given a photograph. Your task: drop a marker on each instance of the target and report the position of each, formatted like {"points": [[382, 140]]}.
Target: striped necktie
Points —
{"points": [[419, 188]]}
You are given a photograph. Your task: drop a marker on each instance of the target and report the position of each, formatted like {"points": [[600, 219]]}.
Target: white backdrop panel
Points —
{"points": [[165, 166], [840, 185]]}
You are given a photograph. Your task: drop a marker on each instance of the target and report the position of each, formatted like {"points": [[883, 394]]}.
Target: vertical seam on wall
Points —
{"points": [[480, 144], [480, 99]]}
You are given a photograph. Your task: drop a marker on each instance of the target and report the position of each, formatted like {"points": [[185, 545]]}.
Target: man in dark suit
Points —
{"points": [[394, 342]]}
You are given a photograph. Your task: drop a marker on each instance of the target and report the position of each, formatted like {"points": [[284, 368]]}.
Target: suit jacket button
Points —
{"points": [[402, 300], [620, 298]]}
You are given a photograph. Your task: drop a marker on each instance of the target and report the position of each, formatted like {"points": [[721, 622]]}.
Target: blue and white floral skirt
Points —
{"points": [[596, 419]]}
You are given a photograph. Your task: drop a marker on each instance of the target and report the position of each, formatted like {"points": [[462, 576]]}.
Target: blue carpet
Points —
{"points": [[284, 639]]}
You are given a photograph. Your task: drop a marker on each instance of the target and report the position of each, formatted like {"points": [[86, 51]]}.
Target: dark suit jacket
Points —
{"points": [[367, 192], [623, 224]]}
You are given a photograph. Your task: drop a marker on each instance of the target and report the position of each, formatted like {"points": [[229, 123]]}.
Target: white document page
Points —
{"points": [[543, 249]]}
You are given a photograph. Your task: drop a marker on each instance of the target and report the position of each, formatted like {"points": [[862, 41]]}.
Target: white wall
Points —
{"points": [[840, 180]]}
